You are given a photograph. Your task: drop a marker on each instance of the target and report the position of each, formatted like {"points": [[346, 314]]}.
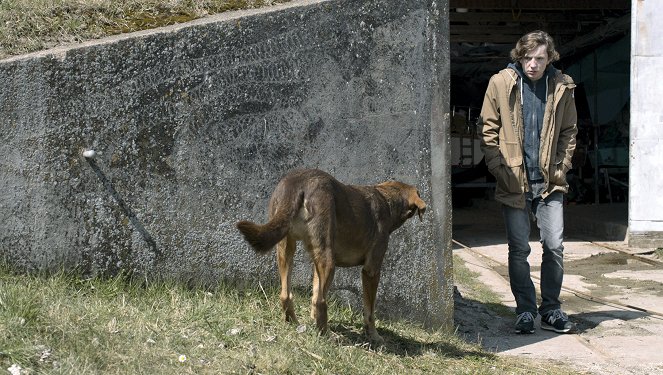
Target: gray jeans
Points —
{"points": [[549, 217]]}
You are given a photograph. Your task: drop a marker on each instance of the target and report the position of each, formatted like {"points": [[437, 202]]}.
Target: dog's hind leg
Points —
{"points": [[285, 252], [370, 280], [323, 275]]}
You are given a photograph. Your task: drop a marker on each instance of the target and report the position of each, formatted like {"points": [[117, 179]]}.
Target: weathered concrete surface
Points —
{"points": [[194, 124], [615, 299], [645, 220]]}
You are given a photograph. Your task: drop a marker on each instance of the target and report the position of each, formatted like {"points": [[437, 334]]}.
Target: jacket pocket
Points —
{"points": [[511, 154], [513, 161], [558, 174], [509, 174]]}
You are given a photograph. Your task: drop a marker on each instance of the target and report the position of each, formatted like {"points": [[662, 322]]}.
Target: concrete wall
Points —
{"points": [[646, 129], [194, 125]]}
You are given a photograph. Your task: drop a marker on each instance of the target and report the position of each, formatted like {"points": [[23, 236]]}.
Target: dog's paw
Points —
{"points": [[375, 340]]}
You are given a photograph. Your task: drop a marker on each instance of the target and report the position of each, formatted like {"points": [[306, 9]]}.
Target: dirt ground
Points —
{"points": [[613, 293]]}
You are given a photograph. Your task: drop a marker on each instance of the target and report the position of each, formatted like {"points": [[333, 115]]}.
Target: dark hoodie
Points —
{"points": [[533, 100]]}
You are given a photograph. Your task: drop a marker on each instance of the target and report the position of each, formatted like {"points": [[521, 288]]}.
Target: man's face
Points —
{"points": [[535, 62]]}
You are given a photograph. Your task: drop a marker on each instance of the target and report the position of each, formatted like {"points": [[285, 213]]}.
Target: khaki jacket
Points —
{"points": [[501, 125]]}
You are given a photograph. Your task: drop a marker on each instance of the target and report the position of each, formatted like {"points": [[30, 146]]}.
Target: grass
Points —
{"points": [[63, 324], [476, 290], [33, 25], [659, 253]]}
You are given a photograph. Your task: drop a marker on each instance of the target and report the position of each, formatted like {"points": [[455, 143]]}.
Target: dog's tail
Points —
{"points": [[264, 237]]}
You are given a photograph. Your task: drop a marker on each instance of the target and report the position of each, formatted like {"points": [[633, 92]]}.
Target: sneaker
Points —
{"points": [[558, 321], [525, 323]]}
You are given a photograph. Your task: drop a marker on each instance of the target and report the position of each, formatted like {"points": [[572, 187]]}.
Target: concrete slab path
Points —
{"points": [[615, 298]]}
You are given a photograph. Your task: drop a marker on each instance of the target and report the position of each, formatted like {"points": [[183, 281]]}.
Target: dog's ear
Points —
{"points": [[417, 205], [421, 208]]}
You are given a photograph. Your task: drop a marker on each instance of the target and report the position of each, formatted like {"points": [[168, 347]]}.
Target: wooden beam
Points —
{"points": [[540, 4], [498, 16], [519, 29], [493, 38], [619, 26]]}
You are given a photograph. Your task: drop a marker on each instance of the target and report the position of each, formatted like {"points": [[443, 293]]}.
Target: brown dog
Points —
{"points": [[340, 225]]}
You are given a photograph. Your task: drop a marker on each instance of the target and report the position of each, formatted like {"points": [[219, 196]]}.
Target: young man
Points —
{"points": [[528, 129]]}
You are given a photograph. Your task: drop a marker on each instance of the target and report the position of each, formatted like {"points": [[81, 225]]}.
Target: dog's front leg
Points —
{"points": [[370, 279]]}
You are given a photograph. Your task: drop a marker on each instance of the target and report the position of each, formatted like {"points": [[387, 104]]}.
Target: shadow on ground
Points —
{"points": [[404, 346]]}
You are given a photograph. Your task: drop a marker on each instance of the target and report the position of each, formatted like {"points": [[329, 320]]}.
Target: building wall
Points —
{"points": [[646, 129], [194, 124]]}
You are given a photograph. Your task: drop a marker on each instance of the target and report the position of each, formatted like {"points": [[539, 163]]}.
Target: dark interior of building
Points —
{"points": [[593, 39]]}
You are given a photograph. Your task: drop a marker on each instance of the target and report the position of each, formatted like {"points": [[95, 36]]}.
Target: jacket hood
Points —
{"points": [[549, 72]]}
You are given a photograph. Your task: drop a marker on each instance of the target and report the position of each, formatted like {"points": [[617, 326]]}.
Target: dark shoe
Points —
{"points": [[558, 321], [525, 323]]}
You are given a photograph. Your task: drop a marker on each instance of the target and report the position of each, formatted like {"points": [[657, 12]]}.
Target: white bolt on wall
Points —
{"points": [[89, 154]]}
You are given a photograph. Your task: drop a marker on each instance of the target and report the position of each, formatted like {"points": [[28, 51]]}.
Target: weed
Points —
{"points": [[32, 25], [477, 290]]}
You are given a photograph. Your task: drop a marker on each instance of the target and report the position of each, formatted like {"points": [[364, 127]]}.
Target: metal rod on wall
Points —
{"points": [[596, 130]]}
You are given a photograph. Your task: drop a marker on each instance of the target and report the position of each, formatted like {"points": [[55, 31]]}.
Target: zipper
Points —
{"points": [[519, 132]]}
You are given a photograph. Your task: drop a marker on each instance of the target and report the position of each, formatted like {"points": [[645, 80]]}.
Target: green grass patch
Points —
{"points": [[659, 253], [33, 25], [476, 290], [64, 324]]}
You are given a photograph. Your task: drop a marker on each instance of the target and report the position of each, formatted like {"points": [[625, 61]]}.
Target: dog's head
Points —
{"points": [[405, 198]]}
